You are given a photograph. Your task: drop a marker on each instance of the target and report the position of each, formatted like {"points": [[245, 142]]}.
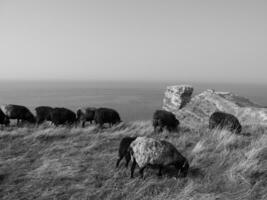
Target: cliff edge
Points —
{"points": [[198, 109]]}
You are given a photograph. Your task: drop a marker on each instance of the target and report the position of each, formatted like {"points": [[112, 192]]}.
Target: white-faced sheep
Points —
{"points": [[159, 153]]}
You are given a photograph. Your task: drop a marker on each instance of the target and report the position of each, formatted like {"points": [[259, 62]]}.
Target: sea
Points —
{"points": [[133, 100]]}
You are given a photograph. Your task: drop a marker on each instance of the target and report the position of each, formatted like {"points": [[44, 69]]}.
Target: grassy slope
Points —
{"points": [[63, 163]]}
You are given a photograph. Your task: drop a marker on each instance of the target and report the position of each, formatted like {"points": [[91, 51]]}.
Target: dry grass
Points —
{"points": [[75, 163]]}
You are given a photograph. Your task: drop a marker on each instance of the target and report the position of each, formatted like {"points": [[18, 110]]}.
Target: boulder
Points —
{"points": [[176, 97]]}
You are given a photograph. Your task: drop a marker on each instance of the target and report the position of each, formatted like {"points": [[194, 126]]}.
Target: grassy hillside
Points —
{"points": [[75, 163]]}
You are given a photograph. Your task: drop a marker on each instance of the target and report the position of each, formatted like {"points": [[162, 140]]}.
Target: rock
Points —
{"points": [[201, 106], [176, 97]]}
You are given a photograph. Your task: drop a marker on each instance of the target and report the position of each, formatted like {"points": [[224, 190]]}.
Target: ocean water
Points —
{"points": [[134, 101]]}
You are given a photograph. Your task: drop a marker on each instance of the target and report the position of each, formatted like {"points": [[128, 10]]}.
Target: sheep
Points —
{"points": [[86, 114], [18, 112], [123, 150], [43, 113], [159, 153], [106, 115], [224, 120], [63, 116], [163, 118]]}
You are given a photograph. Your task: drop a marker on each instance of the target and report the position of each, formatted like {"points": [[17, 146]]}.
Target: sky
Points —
{"points": [[140, 40]]}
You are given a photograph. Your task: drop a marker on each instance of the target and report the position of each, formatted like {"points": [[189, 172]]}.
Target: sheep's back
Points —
{"points": [[154, 152]]}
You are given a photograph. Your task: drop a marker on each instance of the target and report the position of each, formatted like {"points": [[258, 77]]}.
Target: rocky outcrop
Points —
{"points": [[177, 96], [201, 106]]}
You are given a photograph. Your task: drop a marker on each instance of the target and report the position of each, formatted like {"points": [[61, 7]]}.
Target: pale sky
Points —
{"points": [[134, 40]]}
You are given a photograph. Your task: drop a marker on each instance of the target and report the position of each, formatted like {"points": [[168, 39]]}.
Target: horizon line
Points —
{"points": [[129, 81]]}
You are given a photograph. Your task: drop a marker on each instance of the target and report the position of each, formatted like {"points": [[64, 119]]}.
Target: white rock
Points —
{"points": [[176, 97], [201, 106]]}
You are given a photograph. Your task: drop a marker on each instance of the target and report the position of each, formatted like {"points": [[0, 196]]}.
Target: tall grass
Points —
{"points": [[79, 163]]}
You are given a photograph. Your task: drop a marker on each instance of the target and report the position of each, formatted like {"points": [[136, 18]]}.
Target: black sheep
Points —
{"points": [[3, 118], [124, 150], [86, 114], [106, 115], [43, 113], [224, 120], [18, 112], [163, 118], [63, 116]]}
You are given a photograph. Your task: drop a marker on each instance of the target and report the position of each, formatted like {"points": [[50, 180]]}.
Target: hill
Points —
{"points": [[75, 163], [79, 163], [197, 109]]}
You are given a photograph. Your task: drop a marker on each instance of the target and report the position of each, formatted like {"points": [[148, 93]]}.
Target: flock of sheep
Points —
{"points": [[58, 116], [143, 151]]}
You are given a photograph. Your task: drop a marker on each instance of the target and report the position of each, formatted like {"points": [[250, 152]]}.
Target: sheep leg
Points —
{"points": [[38, 121], [118, 161], [127, 158], [155, 129], [160, 171], [101, 125], [141, 172], [178, 167], [75, 124], [83, 124], [132, 168]]}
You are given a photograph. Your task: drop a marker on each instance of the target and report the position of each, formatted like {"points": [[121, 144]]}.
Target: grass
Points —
{"points": [[79, 163]]}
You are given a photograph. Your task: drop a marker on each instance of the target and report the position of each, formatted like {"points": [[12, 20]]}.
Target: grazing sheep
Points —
{"points": [[3, 118], [224, 120], [124, 150], [106, 115], [63, 116], [86, 114], [163, 118], [159, 153], [18, 112], [43, 113]]}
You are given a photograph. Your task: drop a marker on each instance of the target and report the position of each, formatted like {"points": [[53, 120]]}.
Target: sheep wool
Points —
{"points": [[155, 152]]}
